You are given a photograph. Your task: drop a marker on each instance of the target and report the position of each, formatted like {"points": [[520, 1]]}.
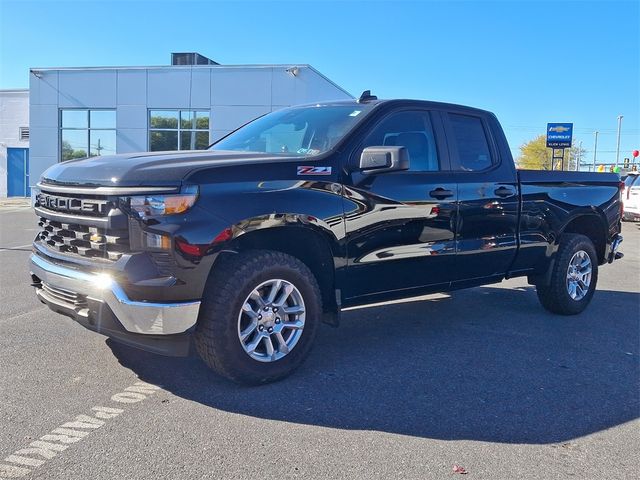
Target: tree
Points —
{"points": [[68, 153], [534, 155]]}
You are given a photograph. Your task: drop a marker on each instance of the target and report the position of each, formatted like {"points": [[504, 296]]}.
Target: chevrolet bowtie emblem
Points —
{"points": [[559, 129]]}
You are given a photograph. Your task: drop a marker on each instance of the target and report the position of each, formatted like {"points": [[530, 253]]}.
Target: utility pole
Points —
{"points": [[618, 143], [99, 148], [579, 156], [595, 150]]}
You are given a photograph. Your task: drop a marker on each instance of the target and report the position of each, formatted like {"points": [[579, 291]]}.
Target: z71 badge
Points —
{"points": [[314, 170]]}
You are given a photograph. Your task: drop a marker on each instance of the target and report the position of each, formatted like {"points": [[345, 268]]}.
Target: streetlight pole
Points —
{"points": [[595, 150], [618, 142]]}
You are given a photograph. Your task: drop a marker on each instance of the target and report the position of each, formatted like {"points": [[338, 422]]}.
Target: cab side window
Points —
{"points": [[412, 130], [471, 142]]}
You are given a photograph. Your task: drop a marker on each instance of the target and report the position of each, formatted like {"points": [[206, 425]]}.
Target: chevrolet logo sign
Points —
{"points": [[73, 205], [559, 129]]}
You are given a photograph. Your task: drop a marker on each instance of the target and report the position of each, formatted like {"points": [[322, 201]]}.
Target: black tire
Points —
{"points": [[233, 278], [555, 296]]}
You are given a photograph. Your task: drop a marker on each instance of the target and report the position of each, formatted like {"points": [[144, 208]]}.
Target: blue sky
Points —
{"points": [[529, 62]]}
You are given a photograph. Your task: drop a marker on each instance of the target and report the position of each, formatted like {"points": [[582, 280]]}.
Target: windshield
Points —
{"points": [[296, 131], [630, 180]]}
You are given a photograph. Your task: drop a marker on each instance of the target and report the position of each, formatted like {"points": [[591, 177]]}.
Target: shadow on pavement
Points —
{"points": [[484, 364]]}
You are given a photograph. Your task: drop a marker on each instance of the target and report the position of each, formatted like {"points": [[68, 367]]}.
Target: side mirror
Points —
{"points": [[384, 159]]}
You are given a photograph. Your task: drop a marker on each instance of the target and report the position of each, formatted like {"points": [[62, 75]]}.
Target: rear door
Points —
{"points": [[487, 216], [399, 224]]}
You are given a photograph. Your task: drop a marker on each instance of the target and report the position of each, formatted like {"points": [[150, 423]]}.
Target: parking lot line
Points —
{"points": [[9, 249], [60, 438]]}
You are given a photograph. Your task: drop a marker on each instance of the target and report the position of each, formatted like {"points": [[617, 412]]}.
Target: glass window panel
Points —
{"points": [[202, 140], [194, 140], [163, 119], [473, 148], [202, 120], [186, 119], [75, 118], [283, 138], [630, 180], [102, 142], [74, 144], [161, 141], [323, 128], [102, 119], [188, 140], [411, 130]]}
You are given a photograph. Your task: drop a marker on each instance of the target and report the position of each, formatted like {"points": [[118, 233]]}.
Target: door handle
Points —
{"points": [[440, 193], [504, 192]]}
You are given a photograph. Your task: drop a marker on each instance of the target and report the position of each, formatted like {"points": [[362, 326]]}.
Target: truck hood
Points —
{"points": [[152, 168]]}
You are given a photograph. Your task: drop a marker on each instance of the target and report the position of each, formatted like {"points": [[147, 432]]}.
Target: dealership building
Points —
{"points": [[80, 112]]}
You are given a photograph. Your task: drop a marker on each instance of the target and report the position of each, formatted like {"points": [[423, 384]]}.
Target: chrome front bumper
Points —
{"points": [[70, 291]]}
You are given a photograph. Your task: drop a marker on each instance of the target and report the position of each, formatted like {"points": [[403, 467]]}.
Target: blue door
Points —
{"points": [[18, 172]]}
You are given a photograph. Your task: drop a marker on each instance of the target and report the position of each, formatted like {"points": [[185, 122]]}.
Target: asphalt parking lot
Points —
{"points": [[482, 378]]}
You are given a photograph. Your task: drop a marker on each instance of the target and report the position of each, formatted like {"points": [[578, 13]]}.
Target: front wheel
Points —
{"points": [[259, 316], [574, 276]]}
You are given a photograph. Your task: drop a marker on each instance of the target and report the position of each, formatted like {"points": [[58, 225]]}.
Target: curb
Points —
{"points": [[15, 202]]}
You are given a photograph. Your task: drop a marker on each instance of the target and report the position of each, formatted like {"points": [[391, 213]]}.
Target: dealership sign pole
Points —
{"points": [[559, 136]]}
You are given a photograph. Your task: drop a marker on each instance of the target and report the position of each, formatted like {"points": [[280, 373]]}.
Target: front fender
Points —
{"points": [[254, 205], [230, 210]]}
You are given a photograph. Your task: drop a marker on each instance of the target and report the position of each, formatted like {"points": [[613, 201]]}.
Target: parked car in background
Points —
{"points": [[631, 197]]}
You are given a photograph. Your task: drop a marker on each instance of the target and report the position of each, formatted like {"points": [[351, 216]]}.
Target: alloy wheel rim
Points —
{"points": [[579, 275], [271, 320]]}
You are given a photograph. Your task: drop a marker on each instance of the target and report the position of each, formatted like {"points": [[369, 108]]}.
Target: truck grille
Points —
{"points": [[84, 240], [81, 225]]}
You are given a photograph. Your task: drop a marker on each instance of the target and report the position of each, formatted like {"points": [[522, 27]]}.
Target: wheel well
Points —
{"points": [[306, 245], [590, 226]]}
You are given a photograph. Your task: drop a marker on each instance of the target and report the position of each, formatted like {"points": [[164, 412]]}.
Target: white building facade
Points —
{"points": [[79, 112], [14, 142]]}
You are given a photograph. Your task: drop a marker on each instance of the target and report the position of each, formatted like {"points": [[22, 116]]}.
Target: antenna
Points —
{"points": [[366, 97]]}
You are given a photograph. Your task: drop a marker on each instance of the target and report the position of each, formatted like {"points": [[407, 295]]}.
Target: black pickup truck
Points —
{"points": [[247, 246]]}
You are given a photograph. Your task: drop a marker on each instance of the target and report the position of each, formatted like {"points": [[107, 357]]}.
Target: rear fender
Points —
{"points": [[588, 221], [592, 223]]}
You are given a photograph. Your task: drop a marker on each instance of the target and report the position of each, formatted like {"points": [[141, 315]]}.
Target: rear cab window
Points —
{"points": [[470, 141]]}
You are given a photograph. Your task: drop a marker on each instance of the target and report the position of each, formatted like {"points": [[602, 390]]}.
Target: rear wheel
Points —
{"points": [[259, 316], [574, 276]]}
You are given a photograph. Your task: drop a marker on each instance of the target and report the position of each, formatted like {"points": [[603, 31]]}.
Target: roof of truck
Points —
{"points": [[429, 104]]}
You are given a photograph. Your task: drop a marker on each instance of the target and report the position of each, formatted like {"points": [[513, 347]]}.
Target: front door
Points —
{"points": [[400, 225], [18, 172]]}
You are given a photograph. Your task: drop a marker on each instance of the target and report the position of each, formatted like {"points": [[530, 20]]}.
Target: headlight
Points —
{"points": [[156, 205]]}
